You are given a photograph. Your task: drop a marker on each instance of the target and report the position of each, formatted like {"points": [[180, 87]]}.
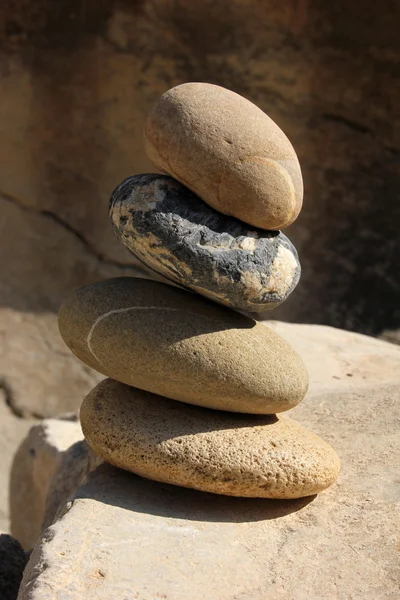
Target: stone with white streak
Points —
{"points": [[170, 342]]}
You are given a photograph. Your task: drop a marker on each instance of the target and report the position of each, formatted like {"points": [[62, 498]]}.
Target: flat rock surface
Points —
{"points": [[12, 430], [175, 233], [133, 539], [340, 360]]}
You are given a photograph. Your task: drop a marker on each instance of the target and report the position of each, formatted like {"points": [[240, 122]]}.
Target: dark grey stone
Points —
{"points": [[12, 564], [179, 236]]}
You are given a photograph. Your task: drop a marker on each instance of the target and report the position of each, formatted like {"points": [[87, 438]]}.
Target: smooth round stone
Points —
{"points": [[212, 451], [227, 151], [170, 342], [176, 234]]}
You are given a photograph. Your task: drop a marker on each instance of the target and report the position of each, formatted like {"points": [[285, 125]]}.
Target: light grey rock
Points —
{"points": [[128, 538], [34, 465], [12, 432], [339, 360], [73, 467], [175, 233]]}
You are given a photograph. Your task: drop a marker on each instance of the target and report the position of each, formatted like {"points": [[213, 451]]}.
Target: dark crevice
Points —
{"points": [[9, 398], [348, 123], [10, 402], [393, 151], [68, 227]]}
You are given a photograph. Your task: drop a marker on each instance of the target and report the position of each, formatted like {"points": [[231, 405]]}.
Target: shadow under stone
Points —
{"points": [[116, 487]]}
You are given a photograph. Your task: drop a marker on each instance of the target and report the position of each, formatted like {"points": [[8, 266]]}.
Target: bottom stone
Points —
{"points": [[212, 451]]}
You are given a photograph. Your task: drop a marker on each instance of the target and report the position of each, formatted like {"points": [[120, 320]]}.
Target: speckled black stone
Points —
{"points": [[177, 235]]}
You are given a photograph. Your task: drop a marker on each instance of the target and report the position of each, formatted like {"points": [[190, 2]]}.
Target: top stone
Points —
{"points": [[227, 151]]}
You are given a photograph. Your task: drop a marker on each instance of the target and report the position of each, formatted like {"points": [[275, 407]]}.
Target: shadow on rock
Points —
{"points": [[113, 486]]}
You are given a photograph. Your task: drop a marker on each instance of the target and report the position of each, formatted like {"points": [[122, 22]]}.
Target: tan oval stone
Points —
{"points": [[173, 343], [212, 451], [227, 151]]}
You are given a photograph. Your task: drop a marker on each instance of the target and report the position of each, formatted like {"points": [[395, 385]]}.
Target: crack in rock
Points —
{"points": [[68, 227], [9, 401]]}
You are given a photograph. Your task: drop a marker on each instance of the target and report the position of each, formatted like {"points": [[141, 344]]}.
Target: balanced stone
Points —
{"points": [[171, 342], [227, 151], [175, 233], [212, 451]]}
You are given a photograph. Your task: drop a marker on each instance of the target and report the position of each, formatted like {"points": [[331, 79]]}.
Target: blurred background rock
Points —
{"points": [[76, 79]]}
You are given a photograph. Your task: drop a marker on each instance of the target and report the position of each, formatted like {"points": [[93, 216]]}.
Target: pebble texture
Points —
{"points": [[174, 232], [212, 451], [176, 344], [227, 151]]}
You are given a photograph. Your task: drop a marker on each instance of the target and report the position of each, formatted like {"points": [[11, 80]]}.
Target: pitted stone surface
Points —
{"points": [[208, 450], [176, 234], [177, 344]]}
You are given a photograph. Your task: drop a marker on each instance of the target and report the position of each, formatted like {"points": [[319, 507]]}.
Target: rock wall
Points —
{"points": [[76, 80]]}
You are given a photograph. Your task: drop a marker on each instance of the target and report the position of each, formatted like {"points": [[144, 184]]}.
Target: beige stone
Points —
{"points": [[227, 151], [125, 537], [177, 344], [35, 462], [212, 451]]}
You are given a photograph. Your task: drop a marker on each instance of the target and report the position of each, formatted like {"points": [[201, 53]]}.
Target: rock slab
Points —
{"points": [[176, 344], [339, 360], [173, 232], [12, 432], [126, 537], [34, 465], [227, 151], [212, 451]]}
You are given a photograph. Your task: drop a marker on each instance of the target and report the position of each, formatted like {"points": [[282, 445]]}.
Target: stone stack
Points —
{"points": [[194, 386]]}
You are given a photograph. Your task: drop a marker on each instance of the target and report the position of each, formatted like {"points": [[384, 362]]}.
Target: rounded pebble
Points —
{"points": [[212, 451], [176, 234], [228, 152], [174, 343]]}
